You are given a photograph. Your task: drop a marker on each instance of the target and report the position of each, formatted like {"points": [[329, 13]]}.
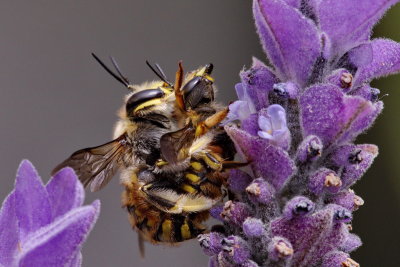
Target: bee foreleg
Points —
{"points": [[204, 126], [177, 87]]}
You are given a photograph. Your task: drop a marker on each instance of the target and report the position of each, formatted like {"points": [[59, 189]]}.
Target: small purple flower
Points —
{"points": [[45, 225], [273, 126], [299, 120]]}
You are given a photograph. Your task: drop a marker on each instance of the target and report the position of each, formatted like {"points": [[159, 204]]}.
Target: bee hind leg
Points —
{"points": [[226, 165], [169, 201]]}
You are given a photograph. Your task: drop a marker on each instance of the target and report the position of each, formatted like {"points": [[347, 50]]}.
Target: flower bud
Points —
{"points": [[260, 191], [235, 212]]}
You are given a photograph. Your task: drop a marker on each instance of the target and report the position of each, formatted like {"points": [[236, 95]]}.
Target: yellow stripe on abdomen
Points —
{"points": [[166, 230], [185, 231]]}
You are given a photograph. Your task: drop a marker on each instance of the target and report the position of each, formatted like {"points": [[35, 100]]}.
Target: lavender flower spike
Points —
{"points": [[45, 225], [298, 123]]}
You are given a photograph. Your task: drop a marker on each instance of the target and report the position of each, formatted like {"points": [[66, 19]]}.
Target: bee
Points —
{"points": [[171, 153]]}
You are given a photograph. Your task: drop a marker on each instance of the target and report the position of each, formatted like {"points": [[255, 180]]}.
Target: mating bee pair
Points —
{"points": [[170, 150]]}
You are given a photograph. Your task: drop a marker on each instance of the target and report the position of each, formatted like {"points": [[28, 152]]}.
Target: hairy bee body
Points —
{"points": [[154, 224], [171, 154], [169, 210]]}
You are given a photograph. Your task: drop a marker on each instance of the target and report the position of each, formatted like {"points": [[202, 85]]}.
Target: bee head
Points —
{"points": [[199, 90]]}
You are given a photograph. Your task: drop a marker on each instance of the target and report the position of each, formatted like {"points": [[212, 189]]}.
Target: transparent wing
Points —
{"points": [[95, 166]]}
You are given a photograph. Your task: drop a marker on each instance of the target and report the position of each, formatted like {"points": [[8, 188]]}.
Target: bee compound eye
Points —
{"points": [[142, 97], [188, 88], [197, 91]]}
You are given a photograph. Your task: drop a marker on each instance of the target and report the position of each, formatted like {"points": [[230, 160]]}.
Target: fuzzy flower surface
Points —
{"points": [[45, 225], [297, 122]]}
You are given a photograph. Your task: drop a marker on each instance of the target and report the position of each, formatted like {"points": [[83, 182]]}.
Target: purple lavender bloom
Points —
{"points": [[45, 225], [297, 121], [272, 123]]}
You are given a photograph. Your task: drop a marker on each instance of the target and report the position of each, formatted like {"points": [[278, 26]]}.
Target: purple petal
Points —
{"points": [[290, 40], [347, 199], [385, 61], [265, 124], [332, 116], [324, 180], [211, 243], [250, 124], [315, 232], [286, 90], [335, 259], [216, 211], [244, 96], [367, 92], [9, 236], [253, 227], [361, 55], [298, 207], [293, 3], [238, 180], [326, 44], [280, 249], [32, 195], [360, 115], [58, 242], [310, 149], [260, 191], [236, 249], [272, 122], [263, 134], [267, 161], [256, 84], [278, 116], [354, 160], [235, 212], [76, 261], [351, 243], [350, 22], [65, 192], [238, 110], [302, 232], [322, 110]]}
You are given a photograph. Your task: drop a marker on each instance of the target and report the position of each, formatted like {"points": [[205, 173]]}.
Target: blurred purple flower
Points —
{"points": [[45, 225], [299, 119]]}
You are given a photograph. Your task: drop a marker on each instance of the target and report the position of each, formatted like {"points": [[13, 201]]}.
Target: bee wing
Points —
{"points": [[175, 145], [95, 166]]}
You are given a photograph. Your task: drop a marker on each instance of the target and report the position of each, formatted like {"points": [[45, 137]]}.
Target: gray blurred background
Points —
{"points": [[56, 99]]}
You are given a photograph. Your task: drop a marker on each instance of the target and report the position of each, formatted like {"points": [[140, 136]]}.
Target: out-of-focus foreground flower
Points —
{"points": [[45, 225], [298, 122]]}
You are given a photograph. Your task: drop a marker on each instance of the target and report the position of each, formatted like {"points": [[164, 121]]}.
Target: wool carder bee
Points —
{"points": [[170, 150]]}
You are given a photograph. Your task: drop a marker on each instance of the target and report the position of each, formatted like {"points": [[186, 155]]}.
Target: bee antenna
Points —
{"points": [[160, 73], [121, 80], [209, 68], [114, 62]]}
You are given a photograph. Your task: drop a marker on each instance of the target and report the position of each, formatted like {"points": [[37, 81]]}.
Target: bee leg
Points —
{"points": [[212, 160], [169, 201], [204, 126], [177, 87], [233, 164], [141, 245]]}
